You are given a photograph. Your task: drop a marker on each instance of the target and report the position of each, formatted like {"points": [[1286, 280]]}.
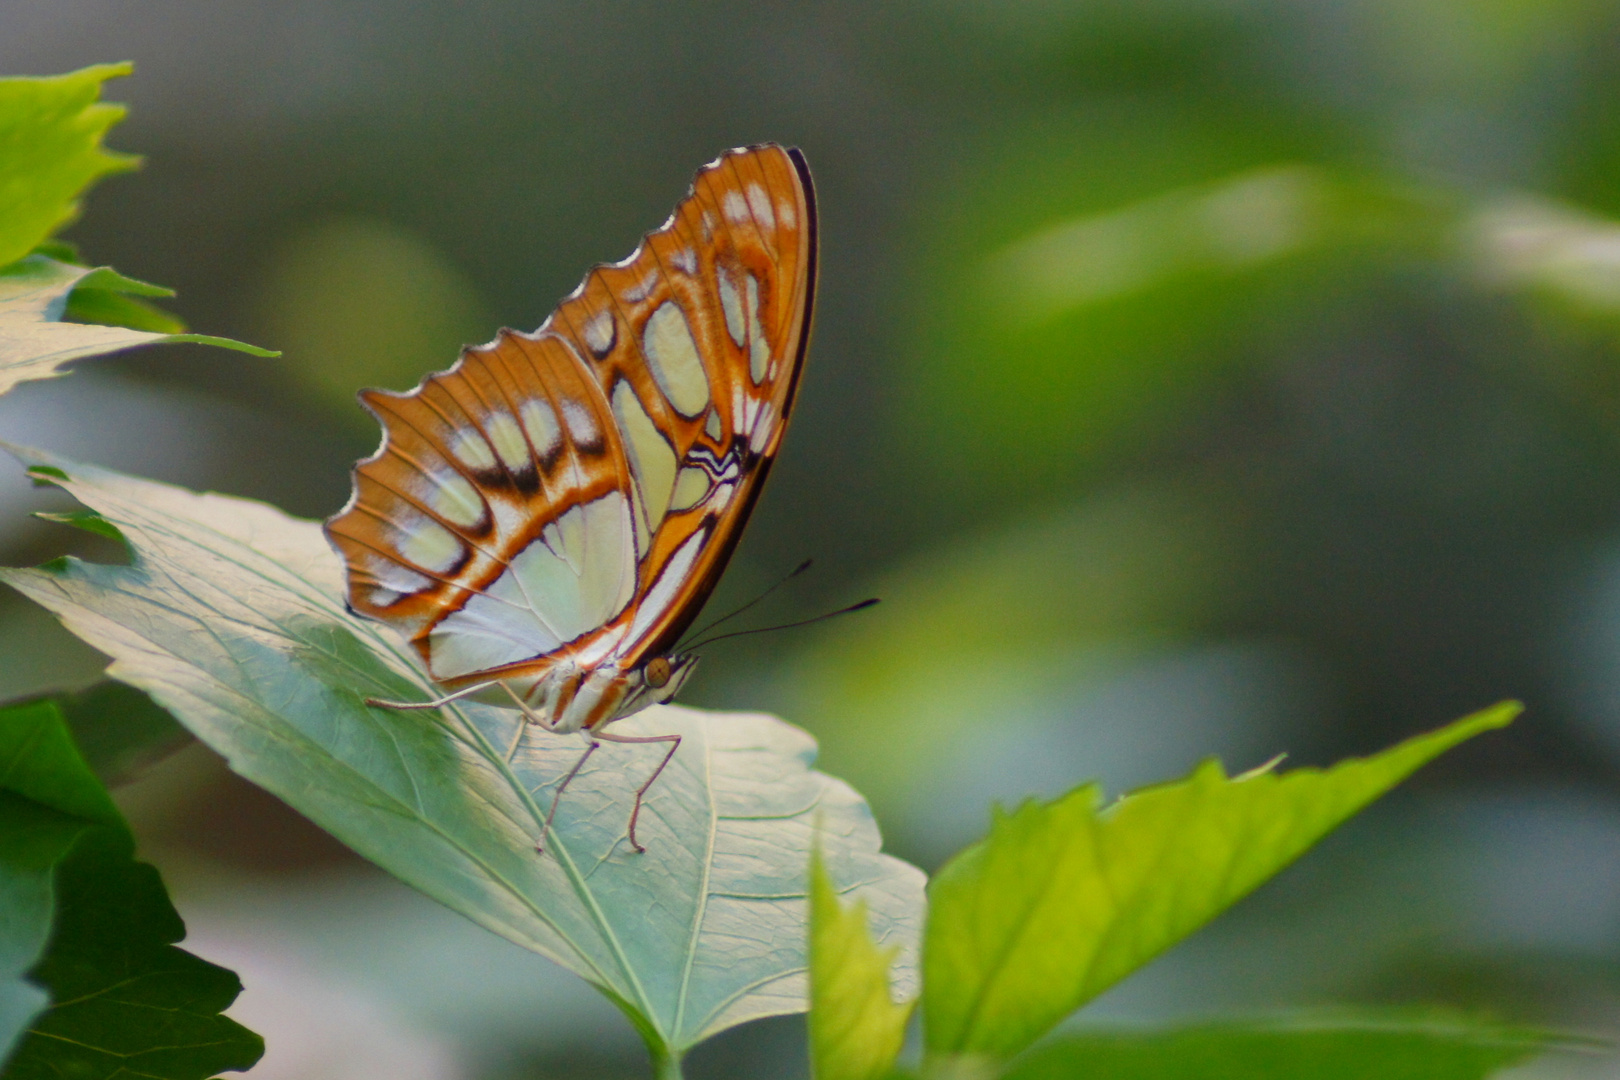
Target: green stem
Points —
{"points": [[666, 1066]]}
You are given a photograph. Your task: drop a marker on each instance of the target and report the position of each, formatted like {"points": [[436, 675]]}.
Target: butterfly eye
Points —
{"points": [[657, 673]]}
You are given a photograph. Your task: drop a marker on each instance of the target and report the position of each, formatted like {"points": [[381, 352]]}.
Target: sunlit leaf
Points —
{"points": [[1063, 899], [230, 615], [1347, 1049], [50, 150], [35, 342], [856, 1028], [110, 995]]}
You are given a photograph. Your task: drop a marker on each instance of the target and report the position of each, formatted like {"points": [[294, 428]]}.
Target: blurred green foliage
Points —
{"points": [[1317, 364]]}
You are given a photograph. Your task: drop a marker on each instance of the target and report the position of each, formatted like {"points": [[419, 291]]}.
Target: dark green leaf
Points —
{"points": [[125, 997], [128, 1003], [1064, 899]]}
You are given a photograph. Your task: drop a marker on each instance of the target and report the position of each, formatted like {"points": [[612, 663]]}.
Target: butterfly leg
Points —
{"points": [[436, 703], [674, 745], [556, 800]]}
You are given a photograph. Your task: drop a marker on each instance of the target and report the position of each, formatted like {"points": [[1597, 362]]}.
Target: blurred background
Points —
{"points": [[1191, 377]]}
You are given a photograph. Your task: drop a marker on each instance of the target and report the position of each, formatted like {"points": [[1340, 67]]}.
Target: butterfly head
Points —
{"points": [[663, 676]]}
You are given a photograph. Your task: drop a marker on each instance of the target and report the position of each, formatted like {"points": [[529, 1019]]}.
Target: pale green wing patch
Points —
{"points": [[230, 615]]}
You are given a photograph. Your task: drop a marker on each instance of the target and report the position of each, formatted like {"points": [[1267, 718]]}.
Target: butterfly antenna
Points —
{"points": [[789, 576], [862, 606]]}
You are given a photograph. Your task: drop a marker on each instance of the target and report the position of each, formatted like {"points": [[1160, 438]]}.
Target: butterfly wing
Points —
{"points": [[576, 492]]}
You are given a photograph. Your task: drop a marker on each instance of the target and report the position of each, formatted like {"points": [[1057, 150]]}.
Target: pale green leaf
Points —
{"points": [[50, 150], [35, 342], [1349, 1048], [856, 1028], [231, 616], [1064, 899]]}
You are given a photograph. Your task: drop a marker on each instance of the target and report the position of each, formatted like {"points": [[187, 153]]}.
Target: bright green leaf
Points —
{"points": [[1350, 1049], [1064, 899], [87, 520], [231, 616], [856, 1029], [35, 342], [50, 151], [127, 1002], [109, 298]]}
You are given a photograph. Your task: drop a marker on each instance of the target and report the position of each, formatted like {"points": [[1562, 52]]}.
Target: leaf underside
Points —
{"points": [[35, 342], [230, 615]]}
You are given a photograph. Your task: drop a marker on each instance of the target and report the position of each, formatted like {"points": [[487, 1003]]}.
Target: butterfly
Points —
{"points": [[544, 520]]}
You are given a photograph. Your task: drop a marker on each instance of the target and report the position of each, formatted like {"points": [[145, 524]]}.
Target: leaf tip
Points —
{"points": [[47, 476]]}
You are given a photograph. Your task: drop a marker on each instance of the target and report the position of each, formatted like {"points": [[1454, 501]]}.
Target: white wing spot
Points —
{"points": [[761, 205], [393, 578], [731, 304], [759, 350], [786, 214], [599, 334], [508, 440], [673, 357], [685, 260], [764, 427], [735, 207], [472, 451], [541, 423], [640, 291], [712, 426], [429, 545], [452, 498], [581, 425]]}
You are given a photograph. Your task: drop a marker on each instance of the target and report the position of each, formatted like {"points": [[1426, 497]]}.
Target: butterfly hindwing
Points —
{"points": [[577, 491]]}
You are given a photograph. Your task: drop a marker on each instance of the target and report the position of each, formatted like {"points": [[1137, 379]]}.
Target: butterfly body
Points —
{"points": [[546, 518], [571, 697]]}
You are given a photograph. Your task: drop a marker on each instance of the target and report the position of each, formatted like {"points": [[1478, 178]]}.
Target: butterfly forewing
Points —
{"points": [[576, 492]]}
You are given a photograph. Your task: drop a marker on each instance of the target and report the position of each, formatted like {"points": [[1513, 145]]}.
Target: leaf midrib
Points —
{"points": [[702, 909]]}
